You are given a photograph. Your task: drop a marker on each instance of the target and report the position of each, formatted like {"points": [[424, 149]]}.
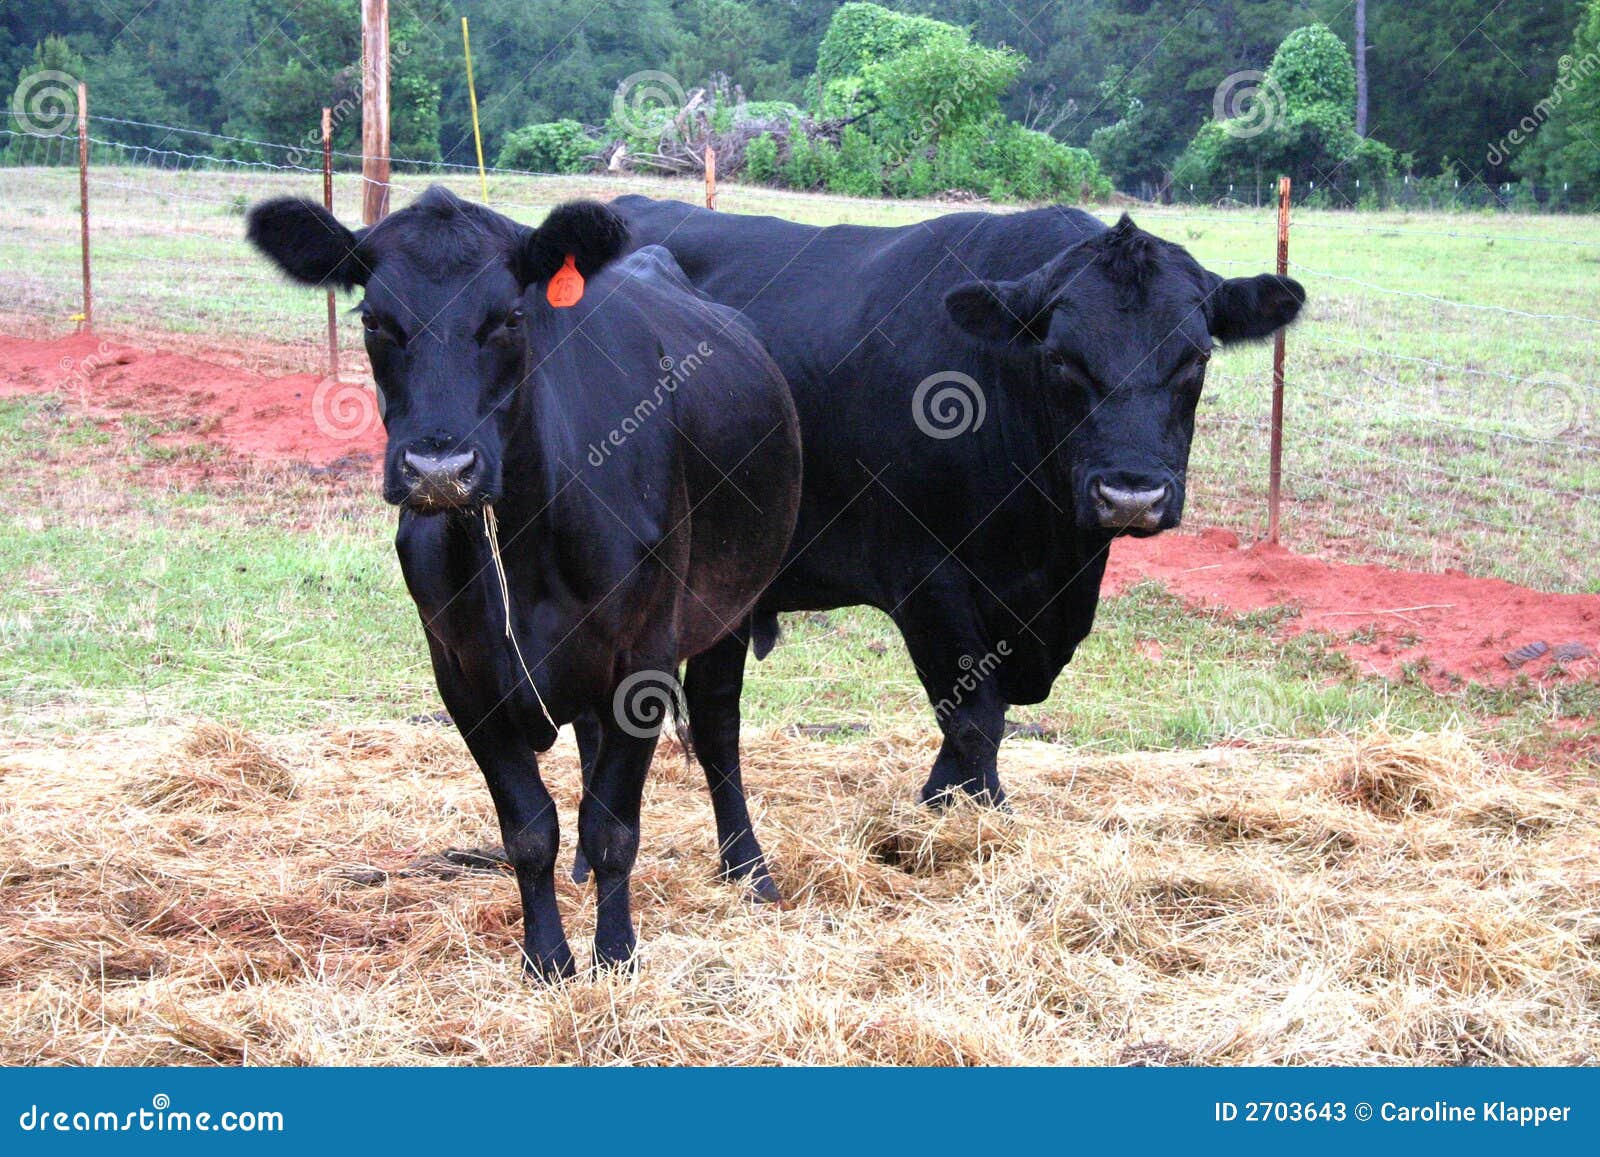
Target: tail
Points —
{"points": [[680, 723]]}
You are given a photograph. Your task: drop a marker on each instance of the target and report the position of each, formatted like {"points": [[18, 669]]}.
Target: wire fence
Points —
{"points": [[1441, 404]]}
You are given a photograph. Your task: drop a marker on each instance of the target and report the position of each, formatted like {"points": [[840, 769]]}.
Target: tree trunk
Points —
{"points": [[1361, 68]]}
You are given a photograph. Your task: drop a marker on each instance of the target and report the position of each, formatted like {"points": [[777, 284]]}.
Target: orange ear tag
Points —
{"points": [[566, 287]]}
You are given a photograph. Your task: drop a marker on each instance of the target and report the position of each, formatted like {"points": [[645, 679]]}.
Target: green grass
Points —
{"points": [[274, 601]]}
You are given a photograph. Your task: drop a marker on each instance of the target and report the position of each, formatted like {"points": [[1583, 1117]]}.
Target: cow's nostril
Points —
{"points": [[1130, 509]]}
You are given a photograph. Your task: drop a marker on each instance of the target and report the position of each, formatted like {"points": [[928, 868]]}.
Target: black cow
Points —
{"points": [[986, 401], [636, 455]]}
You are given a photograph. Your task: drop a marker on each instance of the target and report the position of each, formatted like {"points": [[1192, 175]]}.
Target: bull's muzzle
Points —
{"points": [[1119, 509], [440, 482]]}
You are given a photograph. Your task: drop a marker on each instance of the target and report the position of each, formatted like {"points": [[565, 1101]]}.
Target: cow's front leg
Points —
{"points": [[608, 830], [531, 831], [957, 672], [528, 822]]}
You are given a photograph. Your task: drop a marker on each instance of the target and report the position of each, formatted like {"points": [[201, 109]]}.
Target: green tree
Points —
{"points": [[1299, 120]]}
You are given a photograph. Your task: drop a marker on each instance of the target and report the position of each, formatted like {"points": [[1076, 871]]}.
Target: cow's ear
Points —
{"points": [[1248, 308], [997, 310], [587, 231], [307, 242]]}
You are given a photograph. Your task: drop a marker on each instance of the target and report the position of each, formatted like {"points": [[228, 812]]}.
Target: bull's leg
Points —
{"points": [[528, 825], [608, 831], [957, 673], [586, 729], [711, 688]]}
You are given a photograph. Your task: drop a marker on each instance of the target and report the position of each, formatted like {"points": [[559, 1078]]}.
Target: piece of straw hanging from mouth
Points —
{"points": [[491, 531]]}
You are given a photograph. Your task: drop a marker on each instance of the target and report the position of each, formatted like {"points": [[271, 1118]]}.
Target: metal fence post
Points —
{"points": [[83, 202], [1275, 470]]}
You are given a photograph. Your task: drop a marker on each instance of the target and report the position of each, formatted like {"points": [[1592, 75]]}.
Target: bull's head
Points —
{"points": [[1113, 337], [446, 322]]}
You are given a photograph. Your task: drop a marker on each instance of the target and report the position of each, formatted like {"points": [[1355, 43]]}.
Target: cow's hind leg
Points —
{"points": [[712, 685], [608, 830]]}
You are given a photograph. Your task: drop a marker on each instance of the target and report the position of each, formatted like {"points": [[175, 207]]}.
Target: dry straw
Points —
{"points": [[203, 896]]}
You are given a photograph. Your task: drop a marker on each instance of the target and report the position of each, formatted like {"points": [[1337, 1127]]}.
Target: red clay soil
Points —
{"points": [[299, 417], [1460, 626]]}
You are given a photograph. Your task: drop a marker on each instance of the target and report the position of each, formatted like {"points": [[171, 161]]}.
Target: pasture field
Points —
{"points": [[223, 802]]}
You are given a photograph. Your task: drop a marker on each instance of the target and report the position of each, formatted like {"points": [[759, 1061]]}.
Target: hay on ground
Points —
{"points": [[206, 896]]}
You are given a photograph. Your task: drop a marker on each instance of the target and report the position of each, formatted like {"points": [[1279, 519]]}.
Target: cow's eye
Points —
{"points": [[371, 324], [1056, 358], [513, 319]]}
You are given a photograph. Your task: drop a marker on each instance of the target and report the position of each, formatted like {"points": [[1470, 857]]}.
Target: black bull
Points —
{"points": [[640, 456], [985, 402]]}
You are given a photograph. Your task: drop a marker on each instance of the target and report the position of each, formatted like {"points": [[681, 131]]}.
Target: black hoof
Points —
{"points": [[549, 969], [942, 796], [618, 958], [580, 868]]}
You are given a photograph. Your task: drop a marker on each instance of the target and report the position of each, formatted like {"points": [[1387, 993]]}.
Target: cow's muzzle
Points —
{"points": [[1118, 509], [440, 482]]}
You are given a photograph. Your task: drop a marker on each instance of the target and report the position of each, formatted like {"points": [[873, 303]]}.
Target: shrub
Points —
{"points": [[548, 147], [761, 160]]}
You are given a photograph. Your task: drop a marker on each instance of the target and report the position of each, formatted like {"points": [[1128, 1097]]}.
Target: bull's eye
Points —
{"points": [[370, 323], [513, 319], [1056, 358]]}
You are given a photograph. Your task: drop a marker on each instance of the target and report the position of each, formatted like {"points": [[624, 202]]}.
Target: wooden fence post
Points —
{"points": [[711, 177], [327, 203], [1275, 469], [83, 202]]}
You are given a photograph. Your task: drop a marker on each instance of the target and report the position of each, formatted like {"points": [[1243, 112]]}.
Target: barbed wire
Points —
{"points": [[1422, 444], [1311, 272]]}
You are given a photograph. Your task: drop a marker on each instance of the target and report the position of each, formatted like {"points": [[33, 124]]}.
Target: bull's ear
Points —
{"points": [[1248, 308], [587, 231], [997, 310], [307, 242]]}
